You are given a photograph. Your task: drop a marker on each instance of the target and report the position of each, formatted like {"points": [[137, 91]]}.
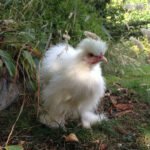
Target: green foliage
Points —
{"points": [[107, 127], [27, 24], [123, 23], [100, 6], [28, 63], [14, 147], [137, 79], [54, 17], [25, 28], [8, 61], [126, 54]]}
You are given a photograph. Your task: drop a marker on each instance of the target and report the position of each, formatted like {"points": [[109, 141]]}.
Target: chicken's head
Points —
{"points": [[93, 50]]}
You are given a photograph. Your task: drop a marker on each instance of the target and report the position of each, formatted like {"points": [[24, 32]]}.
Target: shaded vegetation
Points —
{"points": [[25, 27]]}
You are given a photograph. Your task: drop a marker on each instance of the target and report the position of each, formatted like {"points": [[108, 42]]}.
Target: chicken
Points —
{"points": [[72, 83]]}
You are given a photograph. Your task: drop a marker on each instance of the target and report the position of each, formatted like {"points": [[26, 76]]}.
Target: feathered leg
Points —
{"points": [[90, 118], [53, 122]]}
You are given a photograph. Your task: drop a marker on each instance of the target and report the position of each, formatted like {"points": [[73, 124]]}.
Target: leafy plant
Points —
{"points": [[8, 61], [14, 147], [26, 26]]}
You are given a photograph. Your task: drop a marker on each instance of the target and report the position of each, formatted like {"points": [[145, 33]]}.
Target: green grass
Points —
{"points": [[135, 79]]}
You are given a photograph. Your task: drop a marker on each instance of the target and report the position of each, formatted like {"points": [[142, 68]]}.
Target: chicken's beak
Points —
{"points": [[104, 59]]}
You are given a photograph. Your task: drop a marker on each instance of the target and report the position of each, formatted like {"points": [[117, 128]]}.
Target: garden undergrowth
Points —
{"points": [[127, 131], [21, 22]]}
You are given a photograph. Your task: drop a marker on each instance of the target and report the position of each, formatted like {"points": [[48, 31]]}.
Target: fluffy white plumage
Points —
{"points": [[72, 83]]}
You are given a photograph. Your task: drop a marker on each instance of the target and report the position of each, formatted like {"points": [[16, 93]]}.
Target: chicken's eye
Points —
{"points": [[90, 55]]}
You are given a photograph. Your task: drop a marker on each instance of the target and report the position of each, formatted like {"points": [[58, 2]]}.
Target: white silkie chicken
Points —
{"points": [[72, 83]]}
